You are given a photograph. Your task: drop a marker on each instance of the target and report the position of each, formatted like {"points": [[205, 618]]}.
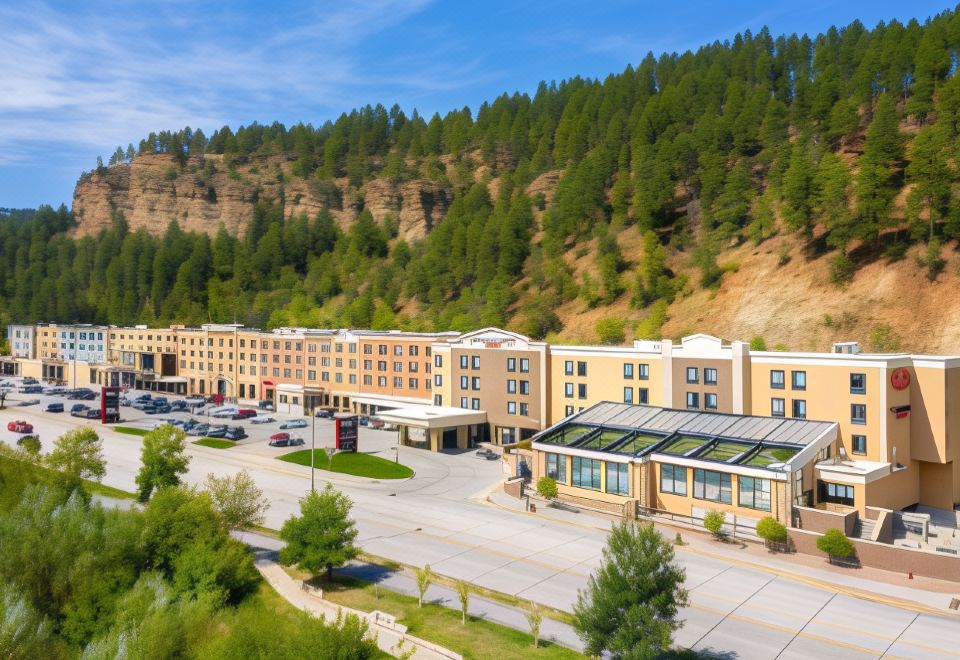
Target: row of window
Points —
{"points": [[798, 379], [715, 486], [585, 473], [383, 349], [709, 400], [643, 371], [709, 376], [798, 408], [581, 390], [644, 395]]}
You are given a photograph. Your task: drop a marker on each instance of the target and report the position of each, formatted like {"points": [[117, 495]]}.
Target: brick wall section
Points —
{"points": [[819, 521], [513, 487], [614, 508], [888, 557]]}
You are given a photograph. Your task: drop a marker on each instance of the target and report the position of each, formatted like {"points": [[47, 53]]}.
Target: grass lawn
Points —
{"points": [[442, 625], [357, 464], [95, 488], [129, 430], [216, 443]]}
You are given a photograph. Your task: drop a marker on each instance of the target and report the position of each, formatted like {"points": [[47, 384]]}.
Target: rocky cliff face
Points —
{"points": [[154, 190]]}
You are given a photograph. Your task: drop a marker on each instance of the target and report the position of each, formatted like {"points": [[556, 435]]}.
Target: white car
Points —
{"points": [[223, 413], [262, 419]]}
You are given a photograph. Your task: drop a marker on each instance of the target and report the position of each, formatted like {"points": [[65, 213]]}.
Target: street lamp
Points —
{"points": [[313, 450]]}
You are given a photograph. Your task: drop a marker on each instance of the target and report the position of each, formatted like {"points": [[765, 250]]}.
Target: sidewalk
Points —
{"points": [[389, 641], [924, 594], [403, 582]]}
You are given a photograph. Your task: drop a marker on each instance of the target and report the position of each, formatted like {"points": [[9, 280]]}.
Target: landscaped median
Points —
{"points": [[130, 430], [357, 464], [216, 443]]}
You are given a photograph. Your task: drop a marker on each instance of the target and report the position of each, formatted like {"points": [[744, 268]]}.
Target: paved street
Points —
{"points": [[441, 517]]}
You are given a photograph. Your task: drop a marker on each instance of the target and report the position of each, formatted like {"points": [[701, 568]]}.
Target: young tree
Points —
{"points": [[424, 576], [463, 592], [163, 460], [835, 544], [322, 536], [713, 522], [771, 530], [237, 499], [79, 455], [30, 445], [535, 620], [630, 605]]}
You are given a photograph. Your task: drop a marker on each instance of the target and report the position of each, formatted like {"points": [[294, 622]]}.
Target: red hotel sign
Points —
{"points": [[900, 378]]}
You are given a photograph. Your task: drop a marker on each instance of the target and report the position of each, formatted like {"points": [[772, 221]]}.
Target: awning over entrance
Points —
{"points": [[433, 417], [170, 379]]}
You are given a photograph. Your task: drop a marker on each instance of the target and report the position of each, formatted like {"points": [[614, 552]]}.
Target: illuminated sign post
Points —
{"points": [[110, 405], [348, 427]]}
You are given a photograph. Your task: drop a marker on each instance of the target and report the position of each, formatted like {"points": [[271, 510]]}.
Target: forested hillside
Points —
{"points": [[628, 201]]}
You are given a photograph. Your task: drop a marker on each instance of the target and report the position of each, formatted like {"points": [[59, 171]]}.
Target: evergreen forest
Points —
{"points": [[847, 140]]}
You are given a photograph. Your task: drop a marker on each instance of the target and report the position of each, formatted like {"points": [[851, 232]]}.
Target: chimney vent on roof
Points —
{"points": [[848, 347]]}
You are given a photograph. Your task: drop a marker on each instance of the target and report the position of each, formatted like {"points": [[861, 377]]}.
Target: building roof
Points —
{"points": [[622, 432]]}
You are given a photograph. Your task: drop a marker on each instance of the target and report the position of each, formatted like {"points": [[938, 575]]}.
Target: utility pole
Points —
{"points": [[313, 450]]}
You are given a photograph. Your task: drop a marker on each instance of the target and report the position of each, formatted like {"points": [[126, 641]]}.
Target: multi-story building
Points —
{"points": [[896, 441], [21, 341]]}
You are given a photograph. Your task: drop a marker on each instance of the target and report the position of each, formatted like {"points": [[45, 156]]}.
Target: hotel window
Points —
{"points": [[412, 384], [338, 377], [398, 366], [777, 408], [859, 444], [382, 349], [567, 411], [413, 351], [754, 493], [673, 479], [693, 400], [381, 381], [858, 413], [582, 391], [712, 486], [799, 408], [511, 407], [628, 395], [381, 365], [568, 368], [511, 386], [398, 382], [299, 373], [618, 480], [438, 361], [644, 371], [644, 395], [367, 349], [581, 368], [437, 380], [586, 473], [524, 387], [836, 493], [692, 375], [463, 402], [709, 376], [776, 379], [476, 383], [475, 362], [311, 374], [524, 365], [368, 380], [276, 371], [437, 400], [858, 383], [799, 380], [464, 361], [525, 409], [557, 467], [511, 364], [286, 373], [368, 364], [397, 349], [464, 382], [628, 371], [710, 401], [412, 367]]}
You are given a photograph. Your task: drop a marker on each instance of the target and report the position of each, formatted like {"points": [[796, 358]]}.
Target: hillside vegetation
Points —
{"points": [[647, 202]]}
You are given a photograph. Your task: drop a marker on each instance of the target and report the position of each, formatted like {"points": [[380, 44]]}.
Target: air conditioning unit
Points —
{"points": [[848, 347]]}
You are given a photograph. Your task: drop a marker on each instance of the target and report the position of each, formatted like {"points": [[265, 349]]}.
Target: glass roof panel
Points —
{"points": [[725, 450], [683, 444], [769, 455]]}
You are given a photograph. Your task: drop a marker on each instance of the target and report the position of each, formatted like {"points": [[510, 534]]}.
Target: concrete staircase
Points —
{"points": [[863, 529]]}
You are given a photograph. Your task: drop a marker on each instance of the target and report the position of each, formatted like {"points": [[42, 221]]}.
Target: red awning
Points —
{"points": [[268, 382]]}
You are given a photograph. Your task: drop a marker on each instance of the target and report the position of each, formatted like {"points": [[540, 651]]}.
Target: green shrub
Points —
{"points": [[757, 343], [834, 543], [611, 330], [842, 269], [713, 522], [883, 339], [547, 487], [770, 529]]}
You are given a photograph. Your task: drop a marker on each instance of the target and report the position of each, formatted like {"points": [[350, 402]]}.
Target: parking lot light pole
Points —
{"points": [[313, 450]]}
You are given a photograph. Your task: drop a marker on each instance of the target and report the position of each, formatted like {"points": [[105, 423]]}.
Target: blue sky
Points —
{"points": [[79, 78]]}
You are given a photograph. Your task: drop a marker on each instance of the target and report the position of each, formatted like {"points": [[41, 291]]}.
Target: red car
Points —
{"points": [[20, 426]]}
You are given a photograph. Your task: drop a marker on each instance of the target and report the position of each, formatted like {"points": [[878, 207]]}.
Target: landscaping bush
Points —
{"points": [[771, 530], [611, 330], [547, 487], [836, 544], [713, 522]]}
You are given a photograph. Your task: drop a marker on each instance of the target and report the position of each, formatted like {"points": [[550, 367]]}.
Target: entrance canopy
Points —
{"points": [[433, 417]]}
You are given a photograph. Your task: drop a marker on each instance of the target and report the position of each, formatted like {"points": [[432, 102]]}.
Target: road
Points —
{"points": [[441, 516]]}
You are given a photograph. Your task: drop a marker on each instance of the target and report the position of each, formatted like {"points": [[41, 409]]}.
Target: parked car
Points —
{"points": [[91, 413], [266, 404], [245, 413], [376, 423], [364, 420], [488, 454], [30, 402], [216, 432], [78, 408], [262, 419], [235, 433], [284, 440], [20, 426], [325, 413], [30, 389], [55, 408], [199, 429], [189, 424], [142, 397], [179, 405], [29, 380], [164, 409], [223, 412], [294, 424], [174, 422]]}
